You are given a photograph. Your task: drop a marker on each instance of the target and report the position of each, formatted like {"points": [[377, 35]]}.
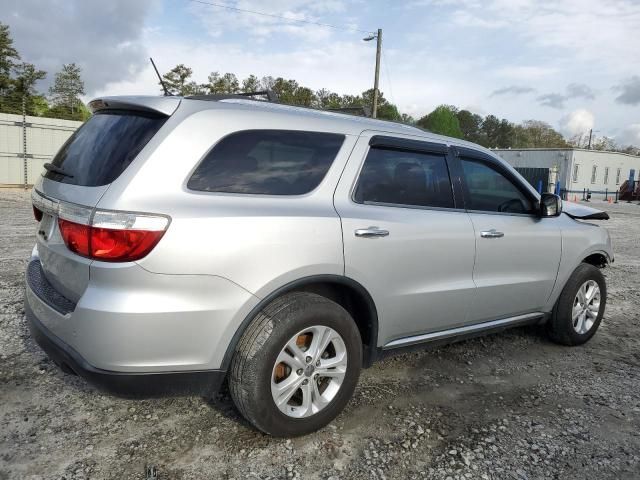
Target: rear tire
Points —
{"points": [[579, 310], [266, 362]]}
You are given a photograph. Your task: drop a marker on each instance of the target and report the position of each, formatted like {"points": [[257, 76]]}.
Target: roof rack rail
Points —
{"points": [[270, 94], [360, 111]]}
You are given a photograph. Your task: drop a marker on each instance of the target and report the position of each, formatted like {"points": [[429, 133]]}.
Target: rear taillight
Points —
{"points": [[110, 236]]}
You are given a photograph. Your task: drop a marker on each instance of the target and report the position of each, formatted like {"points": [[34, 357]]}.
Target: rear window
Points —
{"points": [[101, 149], [268, 162]]}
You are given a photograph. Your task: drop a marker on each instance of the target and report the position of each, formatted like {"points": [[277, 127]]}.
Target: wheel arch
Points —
{"points": [[345, 291], [597, 259]]}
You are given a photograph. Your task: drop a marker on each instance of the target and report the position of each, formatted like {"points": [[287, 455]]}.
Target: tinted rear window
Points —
{"points": [[269, 162], [101, 149]]}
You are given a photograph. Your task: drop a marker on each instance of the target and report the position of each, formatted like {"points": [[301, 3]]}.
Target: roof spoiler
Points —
{"points": [[163, 105]]}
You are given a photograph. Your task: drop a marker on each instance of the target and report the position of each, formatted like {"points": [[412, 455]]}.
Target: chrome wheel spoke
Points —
{"points": [[317, 396], [580, 323], [338, 361], [333, 373], [575, 313], [320, 342], [286, 389], [306, 408], [298, 355]]}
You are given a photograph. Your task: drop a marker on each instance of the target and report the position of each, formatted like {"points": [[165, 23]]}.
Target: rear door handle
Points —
{"points": [[491, 234], [371, 232]]}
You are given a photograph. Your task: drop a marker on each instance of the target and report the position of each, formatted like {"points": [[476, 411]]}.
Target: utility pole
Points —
{"points": [[376, 81], [24, 138], [590, 134]]}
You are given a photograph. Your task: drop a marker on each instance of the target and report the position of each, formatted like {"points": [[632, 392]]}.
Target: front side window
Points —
{"points": [[489, 190], [594, 174], [404, 178], [267, 162]]}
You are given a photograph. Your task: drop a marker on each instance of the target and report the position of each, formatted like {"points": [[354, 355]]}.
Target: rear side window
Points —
{"points": [[101, 149], [404, 178], [268, 162]]}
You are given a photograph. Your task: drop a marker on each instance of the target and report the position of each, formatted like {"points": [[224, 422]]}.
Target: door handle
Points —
{"points": [[491, 234], [371, 232]]}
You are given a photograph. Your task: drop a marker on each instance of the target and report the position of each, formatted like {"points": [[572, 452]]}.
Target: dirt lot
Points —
{"points": [[511, 406]]}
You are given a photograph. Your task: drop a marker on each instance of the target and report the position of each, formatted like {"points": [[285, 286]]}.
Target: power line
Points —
{"points": [[385, 66], [280, 17]]}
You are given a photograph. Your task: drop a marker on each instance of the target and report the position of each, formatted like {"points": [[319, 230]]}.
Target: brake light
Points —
{"points": [[75, 236], [110, 236], [122, 245], [37, 213]]}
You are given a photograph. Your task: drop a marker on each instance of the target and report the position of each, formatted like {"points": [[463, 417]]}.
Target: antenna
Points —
{"points": [[164, 87]]}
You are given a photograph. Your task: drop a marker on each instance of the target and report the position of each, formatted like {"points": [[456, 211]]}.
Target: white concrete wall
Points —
{"points": [[567, 159], [586, 160], [45, 136]]}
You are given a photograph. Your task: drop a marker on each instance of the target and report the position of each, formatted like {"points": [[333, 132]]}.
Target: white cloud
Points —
{"points": [[629, 136], [263, 22], [577, 122]]}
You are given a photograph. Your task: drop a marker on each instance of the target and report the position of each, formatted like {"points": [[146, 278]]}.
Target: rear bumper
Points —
{"points": [[122, 383]]}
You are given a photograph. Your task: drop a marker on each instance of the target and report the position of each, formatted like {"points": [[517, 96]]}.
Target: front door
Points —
{"points": [[405, 239], [517, 251]]}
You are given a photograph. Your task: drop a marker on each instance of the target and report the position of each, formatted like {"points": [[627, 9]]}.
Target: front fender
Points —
{"points": [[579, 241]]}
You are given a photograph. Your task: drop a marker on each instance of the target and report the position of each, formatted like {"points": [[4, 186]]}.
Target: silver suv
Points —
{"points": [[185, 241]]}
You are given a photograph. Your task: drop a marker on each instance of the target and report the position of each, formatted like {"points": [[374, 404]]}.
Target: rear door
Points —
{"points": [[517, 251], [405, 238], [81, 172]]}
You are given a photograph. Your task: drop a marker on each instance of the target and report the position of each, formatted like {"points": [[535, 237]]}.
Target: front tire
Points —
{"points": [[297, 365], [579, 310]]}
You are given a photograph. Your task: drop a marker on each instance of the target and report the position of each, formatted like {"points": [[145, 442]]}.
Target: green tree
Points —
{"points": [[537, 134], [66, 91], [177, 80], [303, 97], [24, 86], [8, 57], [408, 119], [251, 84], [471, 126], [443, 120]]}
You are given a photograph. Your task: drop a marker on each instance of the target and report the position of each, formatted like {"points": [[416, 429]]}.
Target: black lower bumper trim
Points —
{"points": [[125, 384]]}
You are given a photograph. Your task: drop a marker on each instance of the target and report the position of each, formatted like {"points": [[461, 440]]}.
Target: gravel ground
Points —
{"points": [[512, 405]]}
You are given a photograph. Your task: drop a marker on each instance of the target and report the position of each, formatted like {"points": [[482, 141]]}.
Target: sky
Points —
{"points": [[572, 63]]}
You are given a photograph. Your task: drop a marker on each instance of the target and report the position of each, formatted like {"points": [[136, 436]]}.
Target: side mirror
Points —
{"points": [[550, 205]]}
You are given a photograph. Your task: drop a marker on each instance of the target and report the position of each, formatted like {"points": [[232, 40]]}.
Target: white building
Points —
{"points": [[44, 137], [578, 169]]}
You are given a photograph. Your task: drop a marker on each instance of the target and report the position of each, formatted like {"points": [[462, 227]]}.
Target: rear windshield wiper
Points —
{"points": [[50, 167]]}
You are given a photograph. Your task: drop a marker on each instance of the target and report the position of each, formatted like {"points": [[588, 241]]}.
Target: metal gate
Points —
{"points": [[537, 177]]}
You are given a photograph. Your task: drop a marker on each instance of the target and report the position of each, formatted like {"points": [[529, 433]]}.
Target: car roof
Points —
{"points": [[330, 120]]}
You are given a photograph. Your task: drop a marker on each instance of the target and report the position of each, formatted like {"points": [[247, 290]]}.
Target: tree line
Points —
{"points": [[489, 131], [18, 90], [18, 81]]}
